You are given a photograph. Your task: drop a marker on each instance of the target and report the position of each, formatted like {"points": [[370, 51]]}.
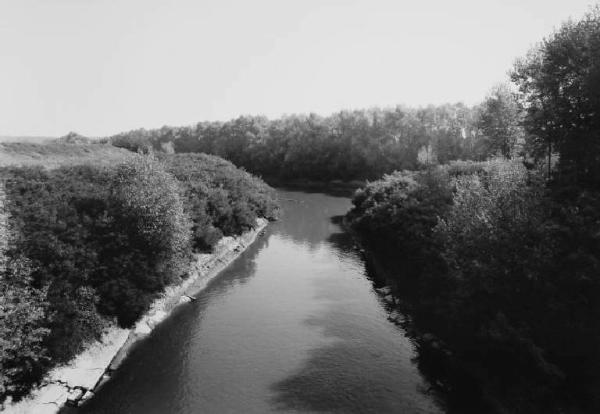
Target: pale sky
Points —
{"points": [[100, 67]]}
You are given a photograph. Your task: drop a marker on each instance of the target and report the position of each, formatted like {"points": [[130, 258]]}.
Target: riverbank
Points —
{"points": [[93, 366]]}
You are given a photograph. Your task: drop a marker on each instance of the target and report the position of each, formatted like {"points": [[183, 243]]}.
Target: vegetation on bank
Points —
{"points": [[349, 145], [222, 200], [89, 245], [503, 257]]}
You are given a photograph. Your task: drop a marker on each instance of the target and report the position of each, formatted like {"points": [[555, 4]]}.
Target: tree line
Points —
{"points": [[348, 145]]}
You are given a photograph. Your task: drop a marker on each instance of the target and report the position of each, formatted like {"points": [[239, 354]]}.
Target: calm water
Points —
{"points": [[293, 325]]}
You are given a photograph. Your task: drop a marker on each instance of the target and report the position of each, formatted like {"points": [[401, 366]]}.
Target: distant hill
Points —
{"points": [[55, 153], [14, 138]]}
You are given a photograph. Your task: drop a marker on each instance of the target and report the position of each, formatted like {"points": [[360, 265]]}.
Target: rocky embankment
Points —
{"points": [[81, 376]]}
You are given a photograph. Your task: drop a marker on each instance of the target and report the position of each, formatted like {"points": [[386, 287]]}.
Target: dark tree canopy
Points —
{"points": [[560, 84]]}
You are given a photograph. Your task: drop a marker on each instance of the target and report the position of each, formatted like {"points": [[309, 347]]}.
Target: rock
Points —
{"points": [[74, 396], [156, 318], [89, 394], [142, 328], [389, 299]]}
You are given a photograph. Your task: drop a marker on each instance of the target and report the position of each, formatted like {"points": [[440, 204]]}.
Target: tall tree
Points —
{"points": [[560, 83], [499, 122]]}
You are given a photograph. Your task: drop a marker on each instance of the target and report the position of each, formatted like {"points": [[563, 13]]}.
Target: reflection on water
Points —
{"points": [[293, 325]]}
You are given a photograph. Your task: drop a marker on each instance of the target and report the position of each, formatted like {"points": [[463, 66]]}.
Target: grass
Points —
{"points": [[54, 154], [34, 139]]}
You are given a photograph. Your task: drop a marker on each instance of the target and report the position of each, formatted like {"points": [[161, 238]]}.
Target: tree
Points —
{"points": [[560, 84], [146, 245], [499, 121]]}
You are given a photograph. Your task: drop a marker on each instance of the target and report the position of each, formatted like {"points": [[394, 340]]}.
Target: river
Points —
{"points": [[293, 325]]}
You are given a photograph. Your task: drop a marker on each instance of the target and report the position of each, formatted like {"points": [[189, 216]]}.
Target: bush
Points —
{"points": [[145, 245], [23, 310], [90, 244], [398, 214], [495, 245], [510, 281], [100, 228], [88, 232], [221, 199]]}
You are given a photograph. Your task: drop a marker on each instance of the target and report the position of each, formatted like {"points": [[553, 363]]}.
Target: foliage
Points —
{"points": [[496, 248], [222, 199], [559, 81], [399, 212], [344, 146], [560, 85], [22, 331], [100, 243], [145, 246], [111, 236], [500, 123], [502, 272]]}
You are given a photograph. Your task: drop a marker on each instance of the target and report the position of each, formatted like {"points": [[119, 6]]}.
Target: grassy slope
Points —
{"points": [[54, 154], [32, 139]]}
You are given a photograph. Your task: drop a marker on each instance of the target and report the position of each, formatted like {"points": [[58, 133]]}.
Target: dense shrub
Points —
{"points": [[90, 244], [97, 235], [221, 199], [399, 212], [145, 247], [510, 283], [496, 246], [23, 310]]}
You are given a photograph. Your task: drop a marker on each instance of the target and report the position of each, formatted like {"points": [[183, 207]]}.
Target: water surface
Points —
{"points": [[292, 326]]}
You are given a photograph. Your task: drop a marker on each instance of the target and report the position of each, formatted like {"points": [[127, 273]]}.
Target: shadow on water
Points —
{"points": [[351, 372], [327, 383], [449, 382]]}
